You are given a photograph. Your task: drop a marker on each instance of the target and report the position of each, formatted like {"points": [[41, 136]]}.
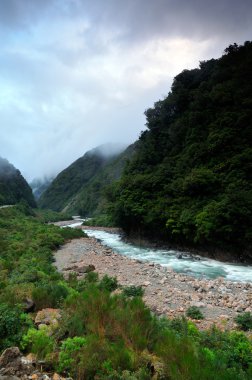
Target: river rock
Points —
{"points": [[85, 269], [11, 364], [198, 304], [48, 316], [9, 355], [146, 283]]}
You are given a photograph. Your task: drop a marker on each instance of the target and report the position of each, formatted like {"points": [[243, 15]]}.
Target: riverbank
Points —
{"points": [[166, 292]]}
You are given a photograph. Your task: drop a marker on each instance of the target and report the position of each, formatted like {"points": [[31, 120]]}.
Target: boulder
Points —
{"points": [[86, 269], [28, 305], [9, 355], [48, 316], [11, 364]]}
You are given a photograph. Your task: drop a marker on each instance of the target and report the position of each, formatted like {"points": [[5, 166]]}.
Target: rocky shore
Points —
{"points": [[165, 292]]}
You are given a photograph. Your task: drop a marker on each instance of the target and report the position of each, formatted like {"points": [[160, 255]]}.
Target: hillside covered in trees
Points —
{"points": [[190, 181], [13, 186], [79, 188]]}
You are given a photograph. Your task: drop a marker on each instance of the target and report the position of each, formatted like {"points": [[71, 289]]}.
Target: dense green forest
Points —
{"points": [[101, 334], [190, 181], [80, 187], [63, 192], [91, 199], [13, 186]]}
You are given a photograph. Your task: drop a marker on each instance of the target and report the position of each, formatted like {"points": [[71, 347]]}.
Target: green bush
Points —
{"points": [[13, 323], [38, 342], [133, 291], [49, 295], [69, 353], [72, 233], [108, 283], [194, 313], [244, 321]]}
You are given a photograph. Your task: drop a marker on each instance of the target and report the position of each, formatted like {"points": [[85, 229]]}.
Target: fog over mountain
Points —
{"points": [[76, 74]]}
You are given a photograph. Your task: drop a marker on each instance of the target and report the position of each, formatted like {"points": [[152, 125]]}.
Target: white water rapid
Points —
{"points": [[195, 266]]}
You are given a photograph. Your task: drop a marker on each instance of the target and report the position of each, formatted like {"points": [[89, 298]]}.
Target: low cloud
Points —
{"points": [[75, 74]]}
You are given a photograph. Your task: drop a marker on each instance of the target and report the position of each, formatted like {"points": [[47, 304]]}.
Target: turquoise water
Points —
{"points": [[198, 267]]}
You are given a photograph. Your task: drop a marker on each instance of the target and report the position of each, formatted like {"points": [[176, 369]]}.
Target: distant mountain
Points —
{"points": [[91, 200], [72, 188], [13, 186], [39, 186]]}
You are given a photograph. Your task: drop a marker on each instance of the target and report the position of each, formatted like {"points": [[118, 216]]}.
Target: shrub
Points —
{"points": [[194, 313], [38, 342], [49, 295], [133, 291], [108, 283], [244, 321], [72, 233], [13, 323], [69, 353]]}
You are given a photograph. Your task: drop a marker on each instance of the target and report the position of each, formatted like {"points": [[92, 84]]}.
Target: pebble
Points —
{"points": [[216, 297]]}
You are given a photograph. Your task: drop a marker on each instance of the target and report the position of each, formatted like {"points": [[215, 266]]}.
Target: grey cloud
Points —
{"points": [[74, 73]]}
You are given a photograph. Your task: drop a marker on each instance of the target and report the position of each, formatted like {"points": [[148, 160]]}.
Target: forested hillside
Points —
{"points": [[190, 181], [39, 186], [13, 186], [80, 188], [61, 193], [91, 199]]}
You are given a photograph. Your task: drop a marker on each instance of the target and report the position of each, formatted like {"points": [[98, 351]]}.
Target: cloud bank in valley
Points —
{"points": [[76, 74]]}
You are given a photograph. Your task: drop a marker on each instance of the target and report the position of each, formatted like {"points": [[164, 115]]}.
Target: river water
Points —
{"points": [[191, 265]]}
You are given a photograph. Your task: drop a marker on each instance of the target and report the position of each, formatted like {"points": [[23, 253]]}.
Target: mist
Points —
{"points": [[77, 74]]}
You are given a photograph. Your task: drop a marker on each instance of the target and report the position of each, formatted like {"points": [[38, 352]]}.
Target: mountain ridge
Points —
{"points": [[13, 187]]}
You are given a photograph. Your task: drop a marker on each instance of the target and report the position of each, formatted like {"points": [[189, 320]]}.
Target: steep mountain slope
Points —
{"points": [[91, 199], [62, 193], [39, 186], [190, 181], [13, 186]]}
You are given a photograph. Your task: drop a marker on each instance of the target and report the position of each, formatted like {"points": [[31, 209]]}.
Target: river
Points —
{"points": [[188, 264]]}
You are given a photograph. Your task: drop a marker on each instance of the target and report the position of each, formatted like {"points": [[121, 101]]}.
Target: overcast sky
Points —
{"points": [[75, 74]]}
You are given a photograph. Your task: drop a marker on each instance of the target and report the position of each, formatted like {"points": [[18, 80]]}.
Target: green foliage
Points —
{"points": [[13, 186], [52, 216], [26, 270], [133, 291], [194, 312], [244, 321], [108, 283], [102, 334], [13, 323], [38, 342], [189, 181], [72, 233], [69, 355], [104, 220], [49, 295], [80, 187]]}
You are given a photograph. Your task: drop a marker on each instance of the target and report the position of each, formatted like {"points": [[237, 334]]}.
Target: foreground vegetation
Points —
{"points": [[103, 333]]}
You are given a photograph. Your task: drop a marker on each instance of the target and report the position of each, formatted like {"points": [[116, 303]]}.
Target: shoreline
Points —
{"points": [[166, 292], [208, 252]]}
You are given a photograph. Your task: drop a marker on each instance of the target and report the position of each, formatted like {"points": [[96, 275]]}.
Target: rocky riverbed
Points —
{"points": [[165, 292]]}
